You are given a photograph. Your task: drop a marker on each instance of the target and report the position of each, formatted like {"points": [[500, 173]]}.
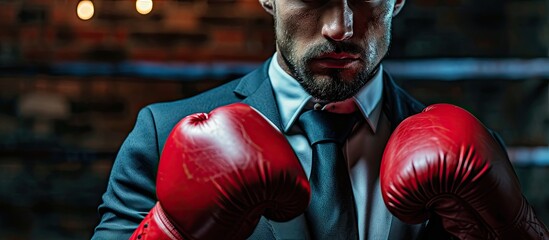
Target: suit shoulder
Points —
{"points": [[203, 102], [400, 98], [397, 103], [165, 115], [412, 102]]}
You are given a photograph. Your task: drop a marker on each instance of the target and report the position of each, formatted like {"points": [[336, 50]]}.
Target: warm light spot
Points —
{"points": [[144, 6], [85, 10]]}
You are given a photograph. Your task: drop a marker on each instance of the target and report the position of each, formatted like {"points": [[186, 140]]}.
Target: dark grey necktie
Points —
{"points": [[331, 213]]}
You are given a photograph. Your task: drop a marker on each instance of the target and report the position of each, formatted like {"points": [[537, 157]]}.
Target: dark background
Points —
{"points": [[70, 89]]}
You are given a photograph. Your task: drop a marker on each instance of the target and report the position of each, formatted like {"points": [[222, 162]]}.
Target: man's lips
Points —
{"points": [[336, 60]]}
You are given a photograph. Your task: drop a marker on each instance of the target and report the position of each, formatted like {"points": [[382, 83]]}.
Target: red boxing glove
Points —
{"points": [[444, 161], [219, 173]]}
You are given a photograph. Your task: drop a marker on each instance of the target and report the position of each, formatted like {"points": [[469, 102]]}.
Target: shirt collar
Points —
{"points": [[292, 98]]}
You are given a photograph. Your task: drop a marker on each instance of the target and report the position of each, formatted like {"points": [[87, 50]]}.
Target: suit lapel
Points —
{"points": [[257, 91], [397, 104], [263, 100]]}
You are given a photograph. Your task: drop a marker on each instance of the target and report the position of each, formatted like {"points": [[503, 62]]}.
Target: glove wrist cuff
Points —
{"points": [[527, 225], [156, 225]]}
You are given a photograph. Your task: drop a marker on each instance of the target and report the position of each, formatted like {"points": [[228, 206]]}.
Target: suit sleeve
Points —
{"points": [[131, 187]]}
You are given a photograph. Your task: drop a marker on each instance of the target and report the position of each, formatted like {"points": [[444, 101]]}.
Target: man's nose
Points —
{"points": [[338, 21]]}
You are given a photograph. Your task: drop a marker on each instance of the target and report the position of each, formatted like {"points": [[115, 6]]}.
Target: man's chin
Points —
{"points": [[337, 76], [331, 88]]}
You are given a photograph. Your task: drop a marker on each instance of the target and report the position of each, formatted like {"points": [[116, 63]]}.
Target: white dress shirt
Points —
{"points": [[363, 149]]}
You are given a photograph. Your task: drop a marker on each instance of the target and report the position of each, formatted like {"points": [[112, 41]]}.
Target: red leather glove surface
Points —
{"points": [[220, 172], [444, 161]]}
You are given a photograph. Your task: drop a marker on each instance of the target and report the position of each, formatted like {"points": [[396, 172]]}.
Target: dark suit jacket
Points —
{"points": [[131, 190]]}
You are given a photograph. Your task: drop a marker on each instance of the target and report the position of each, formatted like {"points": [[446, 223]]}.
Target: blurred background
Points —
{"points": [[73, 75]]}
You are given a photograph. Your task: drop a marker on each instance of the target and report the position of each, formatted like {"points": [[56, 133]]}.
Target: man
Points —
{"points": [[328, 57]]}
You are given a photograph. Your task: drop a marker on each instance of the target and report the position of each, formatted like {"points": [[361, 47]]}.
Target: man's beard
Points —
{"points": [[331, 87]]}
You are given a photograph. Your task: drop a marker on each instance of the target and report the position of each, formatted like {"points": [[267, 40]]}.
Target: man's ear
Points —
{"points": [[267, 5], [398, 6]]}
